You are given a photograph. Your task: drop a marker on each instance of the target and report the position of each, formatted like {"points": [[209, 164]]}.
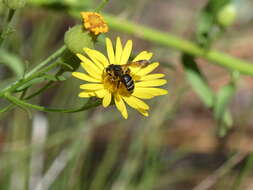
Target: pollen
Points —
{"points": [[94, 23]]}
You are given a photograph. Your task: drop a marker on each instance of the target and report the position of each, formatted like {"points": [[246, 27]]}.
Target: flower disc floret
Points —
{"points": [[94, 22]]}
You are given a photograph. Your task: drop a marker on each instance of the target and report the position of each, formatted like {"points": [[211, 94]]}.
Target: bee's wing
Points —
{"points": [[140, 63], [137, 65]]}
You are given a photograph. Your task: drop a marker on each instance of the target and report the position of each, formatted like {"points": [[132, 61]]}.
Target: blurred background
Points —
{"points": [[176, 148]]}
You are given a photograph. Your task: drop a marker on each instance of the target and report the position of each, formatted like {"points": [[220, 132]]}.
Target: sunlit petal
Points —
{"points": [[144, 55], [142, 94], [147, 69], [92, 70], [93, 56], [152, 76], [110, 51], [143, 112], [107, 99], [136, 103], [86, 94], [100, 93], [88, 61], [120, 105], [85, 77], [118, 51], [126, 52], [157, 82], [153, 91], [91, 87]]}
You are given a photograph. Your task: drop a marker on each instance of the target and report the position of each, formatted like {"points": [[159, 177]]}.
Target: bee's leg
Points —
{"points": [[118, 84]]}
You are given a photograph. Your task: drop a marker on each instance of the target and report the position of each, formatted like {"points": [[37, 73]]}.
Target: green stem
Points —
{"points": [[168, 40], [21, 103], [7, 27], [46, 86], [50, 59], [5, 109], [244, 172], [34, 72], [101, 5]]}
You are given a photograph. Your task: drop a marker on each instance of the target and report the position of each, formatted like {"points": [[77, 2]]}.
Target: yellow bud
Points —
{"points": [[76, 38], [14, 4]]}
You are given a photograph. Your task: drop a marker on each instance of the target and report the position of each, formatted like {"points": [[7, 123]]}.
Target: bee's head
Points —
{"points": [[114, 70]]}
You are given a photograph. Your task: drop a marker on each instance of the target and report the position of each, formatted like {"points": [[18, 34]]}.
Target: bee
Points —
{"points": [[121, 73]]}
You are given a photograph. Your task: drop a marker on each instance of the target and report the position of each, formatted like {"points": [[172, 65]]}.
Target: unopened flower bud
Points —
{"points": [[76, 39], [227, 15]]}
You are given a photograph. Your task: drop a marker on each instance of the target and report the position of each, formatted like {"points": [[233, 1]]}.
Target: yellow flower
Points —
{"points": [[94, 22], [103, 85]]}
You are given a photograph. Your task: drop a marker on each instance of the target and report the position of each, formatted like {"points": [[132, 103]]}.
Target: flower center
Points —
{"points": [[95, 21], [118, 80]]}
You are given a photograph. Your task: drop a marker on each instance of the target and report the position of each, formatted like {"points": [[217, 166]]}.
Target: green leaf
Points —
{"points": [[222, 100], [197, 80], [218, 103], [13, 62]]}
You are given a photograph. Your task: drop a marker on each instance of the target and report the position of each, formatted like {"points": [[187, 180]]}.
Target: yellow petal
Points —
{"points": [[99, 56], [86, 60], [85, 77], [157, 82], [143, 112], [81, 57], [107, 99], [135, 103], [147, 69], [142, 94], [118, 51], [144, 55], [92, 70], [86, 94], [126, 52], [110, 51], [93, 56], [120, 105], [152, 76], [91, 87], [152, 91], [100, 93]]}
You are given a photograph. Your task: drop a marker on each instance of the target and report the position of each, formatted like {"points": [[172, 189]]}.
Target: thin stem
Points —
{"points": [[46, 86], [244, 173], [101, 5], [34, 72], [169, 40], [6, 29], [21, 103], [220, 172], [50, 59], [5, 109]]}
